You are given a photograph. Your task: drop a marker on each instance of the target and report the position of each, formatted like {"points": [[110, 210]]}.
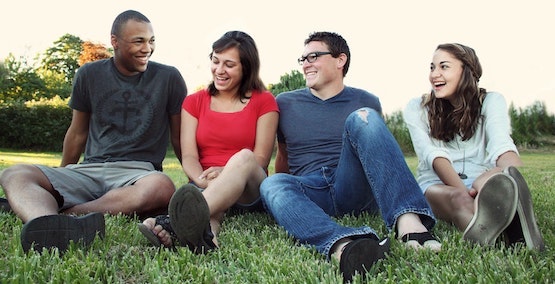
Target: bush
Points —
{"points": [[531, 124], [398, 128], [35, 125]]}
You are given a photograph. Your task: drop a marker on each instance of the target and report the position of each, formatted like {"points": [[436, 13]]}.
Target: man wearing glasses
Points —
{"points": [[335, 157]]}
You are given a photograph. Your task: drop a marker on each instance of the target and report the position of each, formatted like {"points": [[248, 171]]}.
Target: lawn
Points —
{"points": [[255, 250]]}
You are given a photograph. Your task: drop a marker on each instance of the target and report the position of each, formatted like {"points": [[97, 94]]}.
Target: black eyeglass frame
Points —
{"points": [[312, 57]]}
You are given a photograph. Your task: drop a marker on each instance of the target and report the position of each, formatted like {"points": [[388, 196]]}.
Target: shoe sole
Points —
{"points": [[496, 207], [58, 231], [189, 217], [149, 235], [359, 256], [525, 212]]}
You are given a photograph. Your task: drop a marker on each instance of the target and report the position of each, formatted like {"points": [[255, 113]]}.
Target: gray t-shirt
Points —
{"points": [[129, 114], [313, 128]]}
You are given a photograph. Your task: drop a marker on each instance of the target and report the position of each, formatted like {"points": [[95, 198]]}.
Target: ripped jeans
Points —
{"points": [[371, 175]]}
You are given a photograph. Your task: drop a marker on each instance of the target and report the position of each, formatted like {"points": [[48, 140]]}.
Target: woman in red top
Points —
{"points": [[227, 138]]}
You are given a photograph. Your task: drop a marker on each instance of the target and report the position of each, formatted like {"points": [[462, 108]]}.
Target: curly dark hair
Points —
{"points": [[445, 120]]}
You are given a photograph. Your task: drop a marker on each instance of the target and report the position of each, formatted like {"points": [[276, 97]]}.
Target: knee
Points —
{"points": [[365, 115], [18, 172], [272, 185], [360, 120], [161, 190], [243, 157], [246, 155]]}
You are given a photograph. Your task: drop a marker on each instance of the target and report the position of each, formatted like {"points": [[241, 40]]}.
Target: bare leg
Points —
{"points": [[409, 223], [456, 205], [451, 204], [149, 194], [29, 192], [239, 182]]}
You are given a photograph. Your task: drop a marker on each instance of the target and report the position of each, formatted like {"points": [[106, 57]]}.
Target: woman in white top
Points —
{"points": [[466, 157]]}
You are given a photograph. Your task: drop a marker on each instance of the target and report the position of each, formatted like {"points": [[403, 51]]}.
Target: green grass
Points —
{"points": [[255, 250]]}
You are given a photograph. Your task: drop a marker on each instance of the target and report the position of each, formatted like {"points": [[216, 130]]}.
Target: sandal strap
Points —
{"points": [[421, 238], [164, 221]]}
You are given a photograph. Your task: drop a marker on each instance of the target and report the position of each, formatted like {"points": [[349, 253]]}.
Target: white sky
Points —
{"points": [[391, 41]]}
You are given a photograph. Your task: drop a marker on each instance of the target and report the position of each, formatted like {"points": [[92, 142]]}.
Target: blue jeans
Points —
{"points": [[371, 175]]}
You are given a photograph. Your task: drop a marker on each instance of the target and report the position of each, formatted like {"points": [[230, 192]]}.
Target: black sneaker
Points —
{"points": [[58, 231]]}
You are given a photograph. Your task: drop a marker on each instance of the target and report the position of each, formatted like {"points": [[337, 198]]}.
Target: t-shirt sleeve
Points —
{"points": [[191, 104], [177, 92], [267, 103], [78, 99]]}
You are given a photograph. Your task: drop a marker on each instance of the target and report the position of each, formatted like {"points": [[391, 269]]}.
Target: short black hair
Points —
{"points": [[125, 16]]}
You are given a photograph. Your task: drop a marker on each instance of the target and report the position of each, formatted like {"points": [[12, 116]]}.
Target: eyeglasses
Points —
{"points": [[311, 57]]}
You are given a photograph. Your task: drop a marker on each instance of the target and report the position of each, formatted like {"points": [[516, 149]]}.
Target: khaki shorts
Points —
{"points": [[80, 183]]}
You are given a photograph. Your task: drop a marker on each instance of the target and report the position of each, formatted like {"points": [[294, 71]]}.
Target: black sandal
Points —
{"points": [[164, 221], [360, 254], [421, 238], [188, 222]]}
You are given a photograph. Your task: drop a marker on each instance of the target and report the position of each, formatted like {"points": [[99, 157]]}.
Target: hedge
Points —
{"points": [[34, 125]]}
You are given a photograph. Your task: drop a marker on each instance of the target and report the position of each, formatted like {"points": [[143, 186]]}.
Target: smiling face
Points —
{"points": [[445, 75], [324, 70], [227, 70], [133, 47]]}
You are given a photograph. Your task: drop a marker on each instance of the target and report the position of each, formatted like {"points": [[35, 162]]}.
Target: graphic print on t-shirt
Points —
{"points": [[124, 115]]}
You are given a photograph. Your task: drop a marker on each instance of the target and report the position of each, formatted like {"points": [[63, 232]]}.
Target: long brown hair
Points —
{"points": [[445, 120], [250, 61]]}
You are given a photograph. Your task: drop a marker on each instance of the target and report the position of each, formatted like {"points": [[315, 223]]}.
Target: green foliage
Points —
{"points": [[530, 124], [63, 57], [398, 128], [38, 125], [288, 82], [20, 80], [55, 83]]}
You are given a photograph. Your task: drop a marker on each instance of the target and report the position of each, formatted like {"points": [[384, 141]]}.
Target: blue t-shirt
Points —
{"points": [[129, 114], [313, 128]]}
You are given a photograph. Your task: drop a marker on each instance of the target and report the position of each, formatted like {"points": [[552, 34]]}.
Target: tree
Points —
{"points": [[288, 82], [63, 56], [5, 82], [92, 52], [20, 80]]}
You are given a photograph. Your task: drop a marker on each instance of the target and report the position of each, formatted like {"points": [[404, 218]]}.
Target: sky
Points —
{"points": [[391, 42]]}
